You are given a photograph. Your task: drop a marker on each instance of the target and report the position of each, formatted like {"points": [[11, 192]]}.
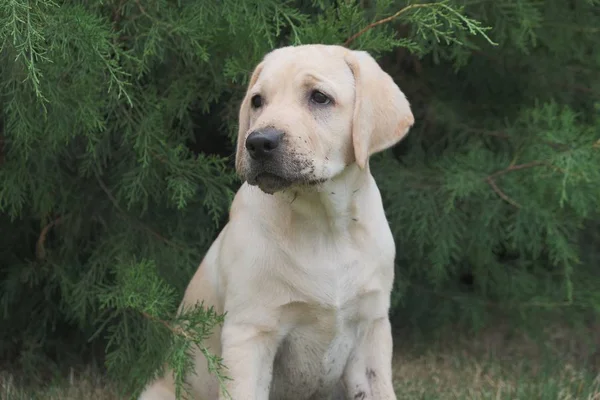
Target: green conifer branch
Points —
{"points": [[454, 17], [136, 222], [144, 97]]}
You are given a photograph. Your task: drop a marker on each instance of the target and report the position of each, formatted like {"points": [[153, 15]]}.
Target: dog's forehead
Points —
{"points": [[289, 63]]}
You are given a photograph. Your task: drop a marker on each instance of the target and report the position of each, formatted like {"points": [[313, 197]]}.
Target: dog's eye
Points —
{"points": [[319, 97], [256, 101]]}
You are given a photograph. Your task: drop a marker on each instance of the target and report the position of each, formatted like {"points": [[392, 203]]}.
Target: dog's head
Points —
{"points": [[310, 111]]}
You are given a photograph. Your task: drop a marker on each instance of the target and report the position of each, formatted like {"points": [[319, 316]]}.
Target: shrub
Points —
{"points": [[116, 146]]}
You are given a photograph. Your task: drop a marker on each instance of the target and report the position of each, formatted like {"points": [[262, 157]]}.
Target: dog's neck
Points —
{"points": [[335, 202]]}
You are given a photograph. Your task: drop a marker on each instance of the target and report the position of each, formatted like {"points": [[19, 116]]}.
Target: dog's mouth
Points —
{"points": [[281, 173], [270, 183]]}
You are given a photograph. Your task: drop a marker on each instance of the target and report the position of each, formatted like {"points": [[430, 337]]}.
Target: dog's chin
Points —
{"points": [[272, 183]]}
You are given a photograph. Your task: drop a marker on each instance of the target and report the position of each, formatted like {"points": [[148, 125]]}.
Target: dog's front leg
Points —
{"points": [[248, 353], [368, 375]]}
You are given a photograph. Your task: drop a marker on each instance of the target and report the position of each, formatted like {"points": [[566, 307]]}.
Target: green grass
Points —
{"points": [[500, 365], [492, 365], [436, 376], [87, 384]]}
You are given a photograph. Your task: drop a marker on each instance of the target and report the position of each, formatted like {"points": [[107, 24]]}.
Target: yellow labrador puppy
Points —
{"points": [[305, 265]]}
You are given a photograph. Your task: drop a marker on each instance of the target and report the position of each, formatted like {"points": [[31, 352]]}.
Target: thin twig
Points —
{"points": [[500, 193], [502, 135], [517, 167], [135, 221], [1, 148], [492, 182], [384, 20], [142, 9], [174, 329], [40, 250], [116, 15], [182, 332]]}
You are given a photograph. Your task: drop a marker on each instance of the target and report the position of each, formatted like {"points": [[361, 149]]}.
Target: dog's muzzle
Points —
{"points": [[272, 166], [266, 167]]}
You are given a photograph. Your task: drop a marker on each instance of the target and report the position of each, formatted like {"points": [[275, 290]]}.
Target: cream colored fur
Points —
{"points": [[305, 273]]}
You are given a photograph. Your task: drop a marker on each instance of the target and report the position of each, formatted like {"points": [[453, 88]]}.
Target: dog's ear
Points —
{"points": [[244, 118], [382, 115]]}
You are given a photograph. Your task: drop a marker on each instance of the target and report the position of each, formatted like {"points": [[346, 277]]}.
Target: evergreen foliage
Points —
{"points": [[117, 122]]}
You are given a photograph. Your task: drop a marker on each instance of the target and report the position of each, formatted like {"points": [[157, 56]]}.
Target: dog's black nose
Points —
{"points": [[261, 143]]}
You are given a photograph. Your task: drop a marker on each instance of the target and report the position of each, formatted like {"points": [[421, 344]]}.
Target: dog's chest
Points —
{"points": [[334, 301], [331, 274], [311, 359]]}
